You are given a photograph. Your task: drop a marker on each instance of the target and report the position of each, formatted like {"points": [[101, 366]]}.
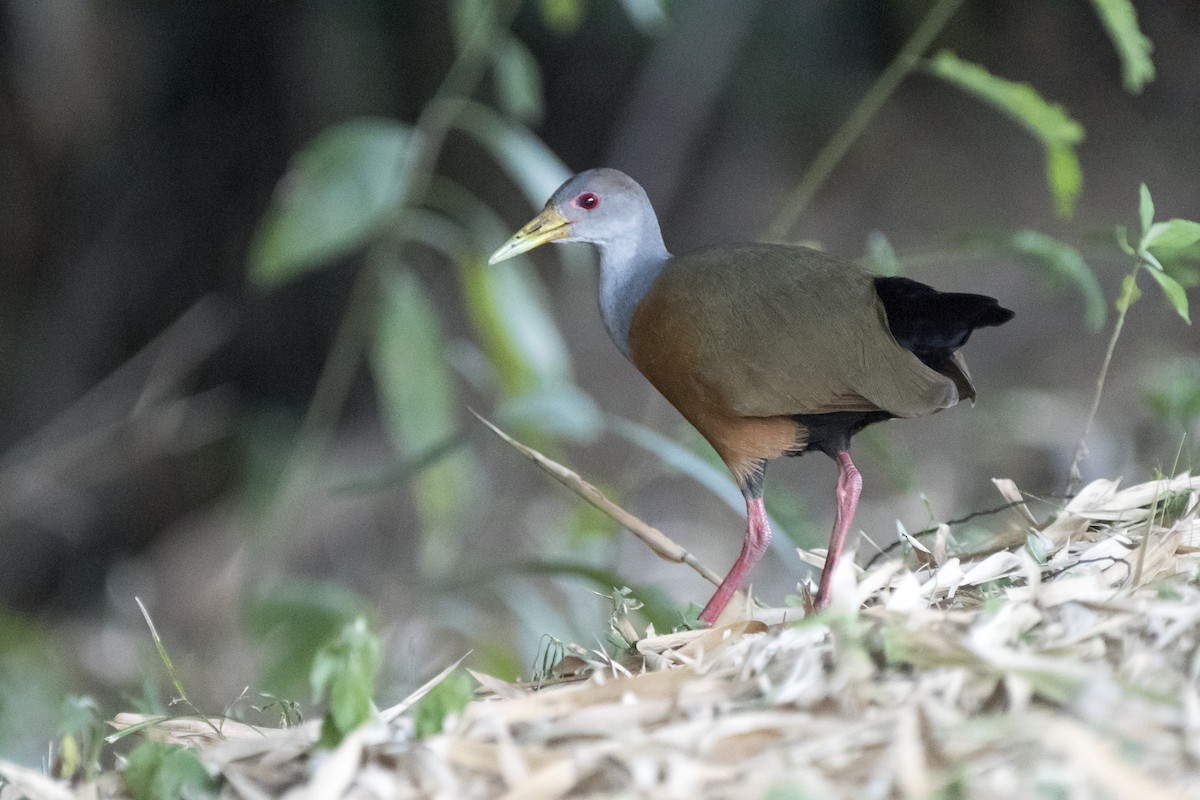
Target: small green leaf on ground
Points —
{"points": [[291, 622], [336, 193], [344, 672], [1133, 47], [448, 697], [157, 771]]}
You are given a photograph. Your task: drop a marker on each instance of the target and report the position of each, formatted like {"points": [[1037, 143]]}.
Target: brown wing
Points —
{"points": [[771, 330]]}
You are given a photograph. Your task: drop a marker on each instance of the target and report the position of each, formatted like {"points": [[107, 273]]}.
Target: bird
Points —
{"points": [[768, 350]]}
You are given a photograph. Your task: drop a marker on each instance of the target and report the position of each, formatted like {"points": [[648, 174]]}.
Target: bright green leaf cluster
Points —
{"points": [[1049, 122], [344, 671], [157, 771]]}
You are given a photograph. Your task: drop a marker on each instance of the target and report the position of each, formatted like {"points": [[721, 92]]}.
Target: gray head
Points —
{"points": [[607, 208], [603, 206]]}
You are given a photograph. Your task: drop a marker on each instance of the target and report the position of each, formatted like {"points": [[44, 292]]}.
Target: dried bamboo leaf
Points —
{"points": [[662, 545]]}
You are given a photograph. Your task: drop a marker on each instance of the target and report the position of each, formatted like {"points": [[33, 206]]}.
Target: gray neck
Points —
{"points": [[628, 268]]}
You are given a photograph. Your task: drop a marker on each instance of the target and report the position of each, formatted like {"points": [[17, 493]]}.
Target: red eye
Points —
{"points": [[587, 201]]}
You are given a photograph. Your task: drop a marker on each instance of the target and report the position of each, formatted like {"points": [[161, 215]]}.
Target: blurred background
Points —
{"points": [[244, 310]]}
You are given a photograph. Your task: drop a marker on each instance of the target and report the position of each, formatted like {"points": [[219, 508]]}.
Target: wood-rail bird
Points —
{"points": [[766, 349]]}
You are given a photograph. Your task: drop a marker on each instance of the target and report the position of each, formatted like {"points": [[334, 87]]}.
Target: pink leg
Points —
{"points": [[758, 536], [849, 487]]}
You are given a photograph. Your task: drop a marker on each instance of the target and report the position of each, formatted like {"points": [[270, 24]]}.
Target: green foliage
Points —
{"points": [[448, 697], [525, 158], [81, 738], [31, 687], [157, 771], [1048, 122], [337, 192], [292, 621], [1120, 22], [1174, 394], [880, 257], [1168, 239], [510, 312], [344, 671], [1062, 265], [518, 81], [418, 402], [562, 16]]}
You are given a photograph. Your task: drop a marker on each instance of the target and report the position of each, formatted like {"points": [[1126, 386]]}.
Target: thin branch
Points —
{"points": [[845, 136], [1081, 449]]}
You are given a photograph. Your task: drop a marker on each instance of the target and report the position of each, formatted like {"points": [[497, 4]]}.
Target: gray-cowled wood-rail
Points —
{"points": [[768, 350]]}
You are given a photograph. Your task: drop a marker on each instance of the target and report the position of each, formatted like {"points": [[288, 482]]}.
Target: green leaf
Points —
{"points": [[1174, 393], [507, 304], [524, 157], [1049, 122], [418, 403], [880, 257], [648, 15], [344, 671], [472, 21], [518, 81], [1130, 293], [1174, 293], [1062, 262], [448, 697], [292, 622], [509, 310], [1120, 21], [157, 771], [562, 16], [1145, 210], [1174, 234], [1064, 176], [337, 192]]}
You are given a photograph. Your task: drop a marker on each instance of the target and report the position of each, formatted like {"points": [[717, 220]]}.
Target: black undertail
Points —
{"points": [[929, 324]]}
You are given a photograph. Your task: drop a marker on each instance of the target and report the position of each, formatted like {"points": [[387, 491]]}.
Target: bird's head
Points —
{"points": [[603, 206]]}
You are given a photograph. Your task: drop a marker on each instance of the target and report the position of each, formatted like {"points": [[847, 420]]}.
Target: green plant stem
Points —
{"points": [[845, 136], [345, 355], [1081, 448]]}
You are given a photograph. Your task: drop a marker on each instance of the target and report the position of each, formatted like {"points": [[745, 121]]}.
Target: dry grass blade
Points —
{"points": [[655, 539], [393, 713], [170, 667], [991, 675]]}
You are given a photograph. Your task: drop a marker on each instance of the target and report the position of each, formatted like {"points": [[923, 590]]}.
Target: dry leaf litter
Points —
{"points": [[1063, 666]]}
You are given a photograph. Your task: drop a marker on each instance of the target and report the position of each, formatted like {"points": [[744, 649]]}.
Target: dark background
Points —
{"points": [[150, 392]]}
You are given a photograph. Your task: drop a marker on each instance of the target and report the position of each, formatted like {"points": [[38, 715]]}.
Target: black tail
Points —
{"points": [[932, 324]]}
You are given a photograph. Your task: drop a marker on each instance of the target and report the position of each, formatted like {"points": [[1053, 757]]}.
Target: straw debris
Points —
{"points": [[1064, 665]]}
